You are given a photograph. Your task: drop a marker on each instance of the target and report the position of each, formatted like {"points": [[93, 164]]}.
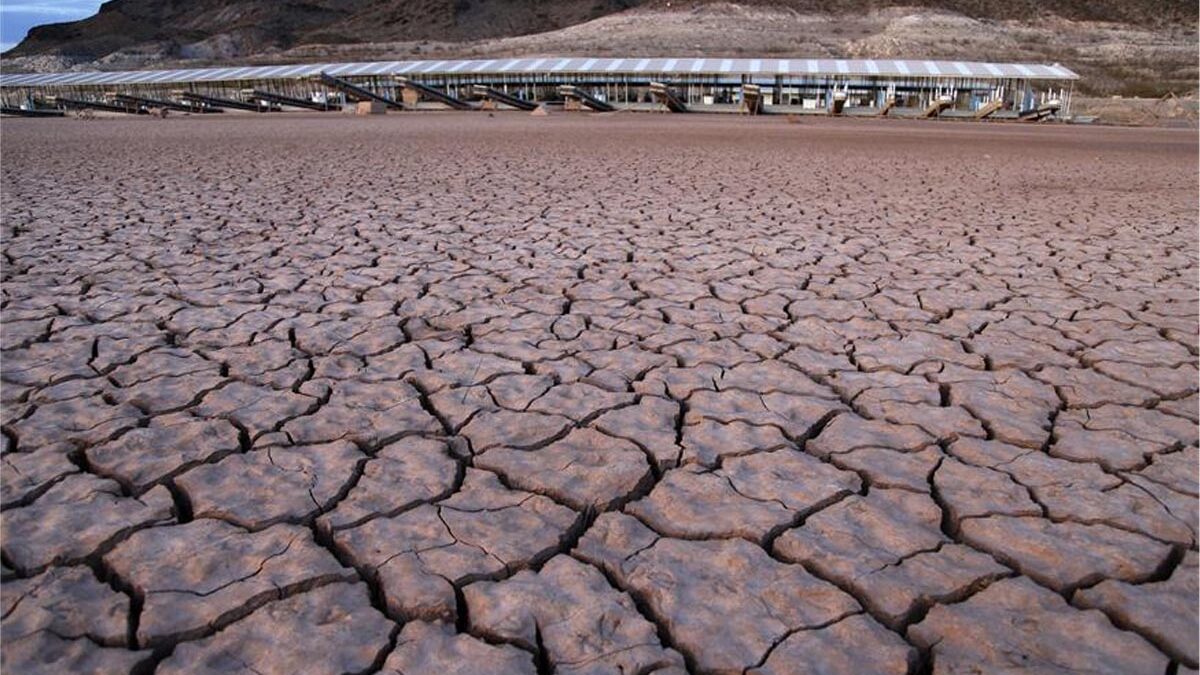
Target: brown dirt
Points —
{"points": [[1165, 111], [500, 393]]}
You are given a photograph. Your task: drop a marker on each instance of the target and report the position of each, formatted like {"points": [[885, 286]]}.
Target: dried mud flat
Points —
{"points": [[465, 394]]}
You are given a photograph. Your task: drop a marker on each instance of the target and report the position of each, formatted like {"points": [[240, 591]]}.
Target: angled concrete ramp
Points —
{"points": [[32, 112], [280, 99], [752, 99], [428, 92], [144, 102], [1040, 112], [77, 104], [937, 106], [356, 91], [667, 96], [225, 103], [988, 108], [572, 92], [839, 102], [501, 97]]}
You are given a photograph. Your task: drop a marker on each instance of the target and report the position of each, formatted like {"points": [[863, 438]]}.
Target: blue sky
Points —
{"points": [[18, 16]]}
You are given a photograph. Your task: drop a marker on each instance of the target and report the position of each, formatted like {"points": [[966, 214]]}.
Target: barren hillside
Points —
{"points": [[1132, 48]]}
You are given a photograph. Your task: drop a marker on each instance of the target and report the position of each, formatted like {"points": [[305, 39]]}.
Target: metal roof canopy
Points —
{"points": [[565, 65]]}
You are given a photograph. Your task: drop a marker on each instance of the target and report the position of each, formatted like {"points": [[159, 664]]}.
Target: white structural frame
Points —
{"points": [[747, 67]]}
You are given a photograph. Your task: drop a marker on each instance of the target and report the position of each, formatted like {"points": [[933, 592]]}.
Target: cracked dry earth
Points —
{"points": [[609, 394]]}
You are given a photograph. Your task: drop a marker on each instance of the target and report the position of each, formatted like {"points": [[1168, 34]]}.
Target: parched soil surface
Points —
{"points": [[455, 393]]}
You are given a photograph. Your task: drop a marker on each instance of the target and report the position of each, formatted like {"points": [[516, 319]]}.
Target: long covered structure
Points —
{"points": [[819, 86]]}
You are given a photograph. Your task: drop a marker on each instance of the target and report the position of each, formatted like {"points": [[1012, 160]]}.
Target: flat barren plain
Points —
{"points": [[455, 393]]}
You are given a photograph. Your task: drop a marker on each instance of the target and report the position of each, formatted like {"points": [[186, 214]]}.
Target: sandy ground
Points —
{"points": [[1167, 111], [451, 393]]}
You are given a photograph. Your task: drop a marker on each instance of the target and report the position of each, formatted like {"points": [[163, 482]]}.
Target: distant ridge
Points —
{"points": [[246, 27], [1133, 47]]}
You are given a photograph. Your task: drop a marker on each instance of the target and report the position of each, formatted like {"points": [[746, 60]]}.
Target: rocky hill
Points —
{"points": [[243, 27], [1137, 47]]}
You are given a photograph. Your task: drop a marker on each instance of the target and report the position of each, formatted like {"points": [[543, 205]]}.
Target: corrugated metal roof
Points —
{"points": [[658, 66]]}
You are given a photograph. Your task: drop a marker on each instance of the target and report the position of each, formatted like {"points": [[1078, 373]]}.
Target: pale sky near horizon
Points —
{"points": [[18, 16]]}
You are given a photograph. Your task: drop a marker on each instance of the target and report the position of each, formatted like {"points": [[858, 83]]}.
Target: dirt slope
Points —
{"points": [[1144, 48]]}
